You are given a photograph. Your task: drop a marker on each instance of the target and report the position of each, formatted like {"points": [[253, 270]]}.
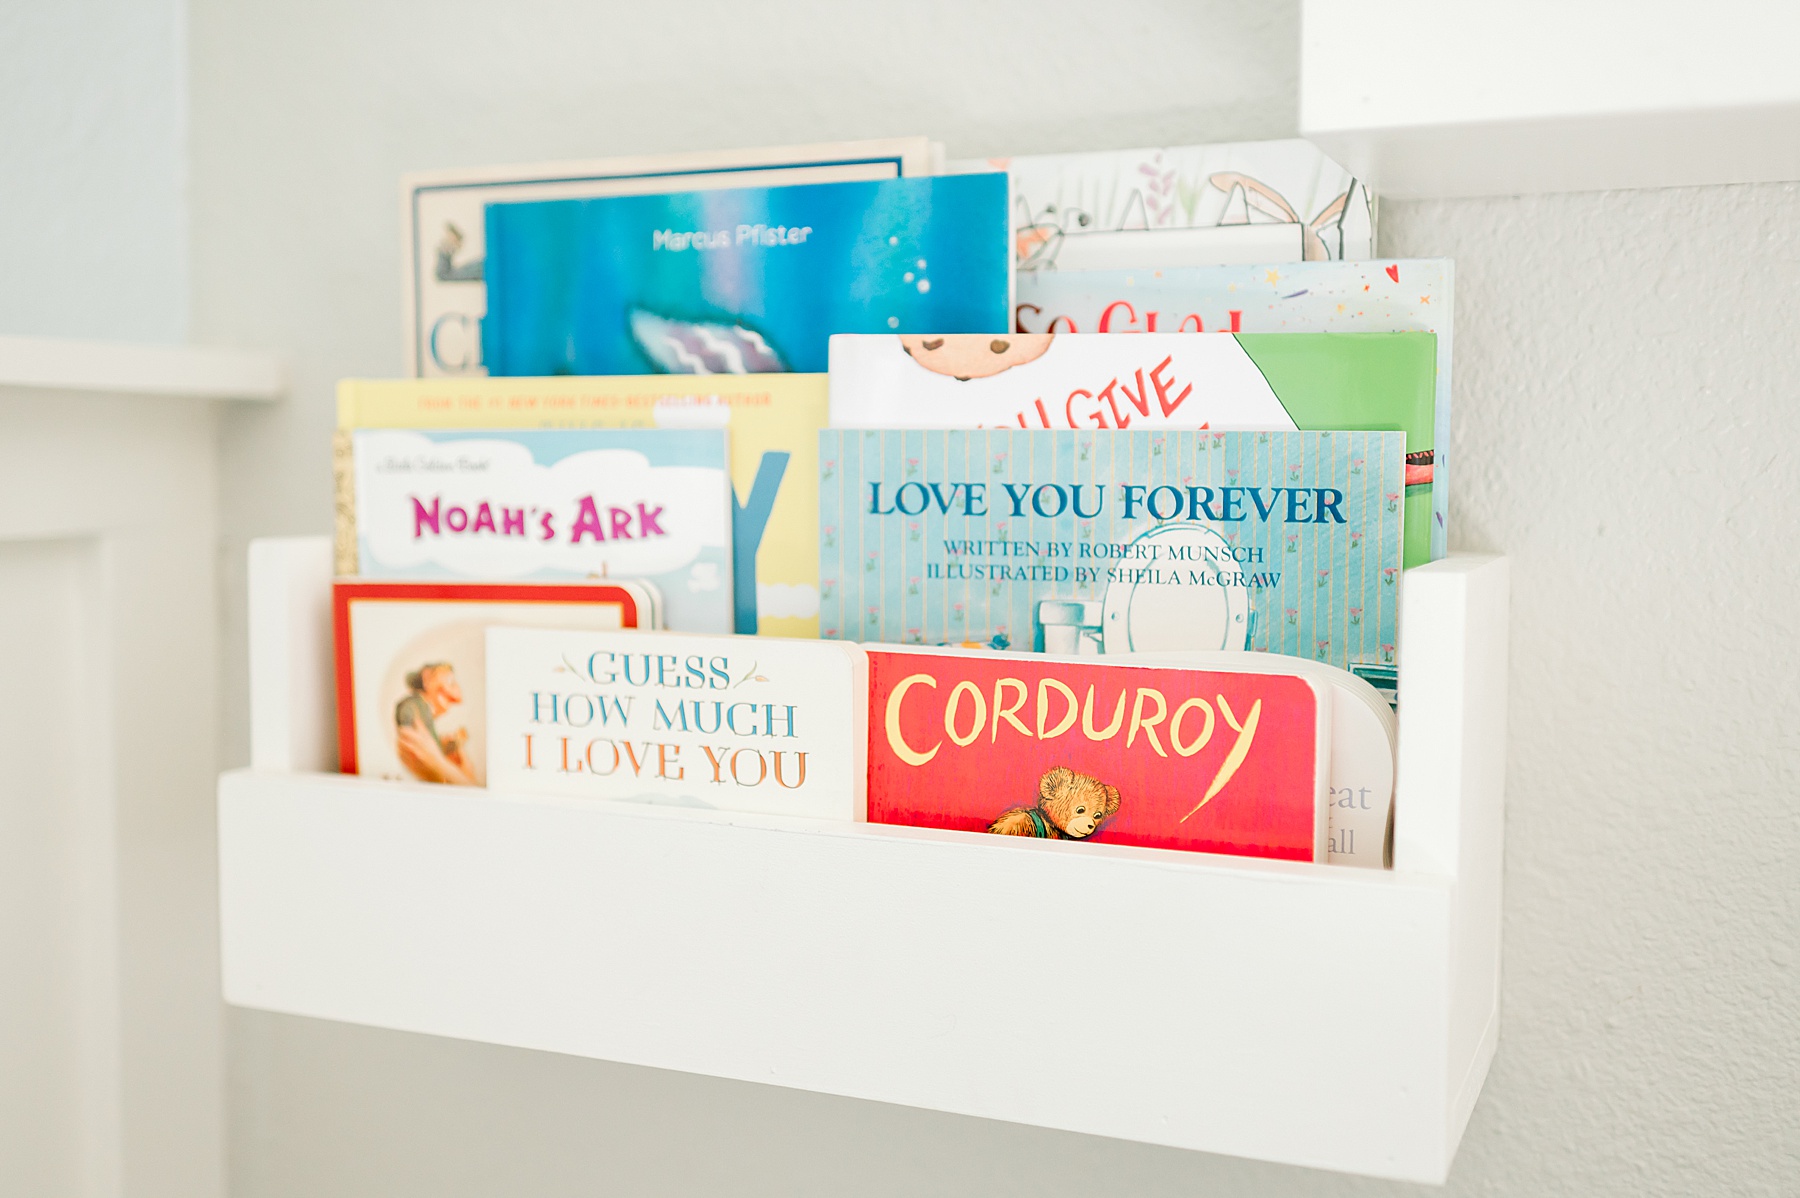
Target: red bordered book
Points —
{"points": [[1101, 749], [411, 668]]}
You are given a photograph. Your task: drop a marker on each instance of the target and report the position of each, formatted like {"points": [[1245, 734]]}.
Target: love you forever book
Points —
{"points": [[732, 723], [551, 505], [1066, 749], [1154, 380], [1115, 542], [740, 281]]}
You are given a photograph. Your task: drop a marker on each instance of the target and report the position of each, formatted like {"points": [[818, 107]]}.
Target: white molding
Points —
{"points": [[129, 368], [1428, 98], [1308, 1014]]}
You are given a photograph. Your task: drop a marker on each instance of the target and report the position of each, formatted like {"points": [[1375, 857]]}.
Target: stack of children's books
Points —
{"points": [[1062, 497]]}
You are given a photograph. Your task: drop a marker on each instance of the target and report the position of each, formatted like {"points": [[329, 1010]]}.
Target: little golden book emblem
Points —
{"points": [[725, 722], [1062, 748]]}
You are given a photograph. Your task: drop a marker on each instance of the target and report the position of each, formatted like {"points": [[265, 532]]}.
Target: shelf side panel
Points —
{"points": [[292, 710]]}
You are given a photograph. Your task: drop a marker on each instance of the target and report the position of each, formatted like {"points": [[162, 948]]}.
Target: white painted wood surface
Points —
{"points": [[123, 368], [1428, 98], [111, 1060], [1330, 1017]]}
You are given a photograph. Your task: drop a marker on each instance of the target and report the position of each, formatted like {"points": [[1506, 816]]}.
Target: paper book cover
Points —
{"points": [[773, 422], [1380, 296], [444, 234], [1114, 542], [1364, 738], [740, 281], [1358, 381], [731, 723], [1231, 202], [411, 665], [1066, 749], [546, 505]]}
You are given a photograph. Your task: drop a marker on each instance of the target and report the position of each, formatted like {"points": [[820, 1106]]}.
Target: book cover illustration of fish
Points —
{"points": [[740, 281], [1059, 748], [443, 220], [1392, 296], [1115, 542], [548, 505], [1230, 202], [773, 422], [1360, 381], [731, 723]]}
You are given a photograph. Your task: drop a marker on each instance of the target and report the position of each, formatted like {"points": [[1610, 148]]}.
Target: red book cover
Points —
{"points": [[1075, 749], [411, 664]]}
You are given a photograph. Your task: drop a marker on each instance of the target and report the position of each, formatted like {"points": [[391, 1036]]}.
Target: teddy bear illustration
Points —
{"points": [[965, 356], [1070, 806]]}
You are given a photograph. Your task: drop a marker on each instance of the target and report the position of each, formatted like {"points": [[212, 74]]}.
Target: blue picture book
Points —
{"points": [[744, 280], [1115, 541], [549, 504]]}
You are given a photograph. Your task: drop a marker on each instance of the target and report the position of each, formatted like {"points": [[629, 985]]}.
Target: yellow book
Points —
{"points": [[774, 422]]}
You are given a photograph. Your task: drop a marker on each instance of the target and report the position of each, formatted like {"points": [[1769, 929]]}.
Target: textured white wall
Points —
{"points": [[1626, 395], [93, 168]]}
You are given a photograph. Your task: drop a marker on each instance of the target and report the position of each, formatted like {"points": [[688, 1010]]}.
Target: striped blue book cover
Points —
{"points": [[1115, 541]]}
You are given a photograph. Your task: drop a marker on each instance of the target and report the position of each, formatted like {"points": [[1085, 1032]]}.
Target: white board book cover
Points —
{"points": [[551, 505], [732, 723], [443, 220], [1208, 205], [1375, 296]]}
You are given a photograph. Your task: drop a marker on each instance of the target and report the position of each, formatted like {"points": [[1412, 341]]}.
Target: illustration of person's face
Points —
{"points": [[965, 356], [440, 688]]}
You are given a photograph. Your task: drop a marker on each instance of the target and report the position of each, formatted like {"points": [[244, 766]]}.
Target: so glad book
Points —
{"points": [[1115, 542], [1381, 296]]}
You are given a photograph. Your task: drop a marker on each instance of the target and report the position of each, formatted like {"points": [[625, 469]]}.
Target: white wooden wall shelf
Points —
{"points": [[126, 368], [1315, 1015], [1426, 98]]}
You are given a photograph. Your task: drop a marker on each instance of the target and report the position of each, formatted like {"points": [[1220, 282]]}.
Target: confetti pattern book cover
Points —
{"points": [[742, 280], [1114, 542]]}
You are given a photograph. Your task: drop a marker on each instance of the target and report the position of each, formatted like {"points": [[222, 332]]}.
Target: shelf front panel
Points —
{"points": [[1284, 1012]]}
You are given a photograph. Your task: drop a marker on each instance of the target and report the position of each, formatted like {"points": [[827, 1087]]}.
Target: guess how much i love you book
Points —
{"points": [[732, 723]]}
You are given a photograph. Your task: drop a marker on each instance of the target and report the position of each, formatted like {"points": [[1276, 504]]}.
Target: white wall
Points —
{"points": [[93, 169], [1625, 430]]}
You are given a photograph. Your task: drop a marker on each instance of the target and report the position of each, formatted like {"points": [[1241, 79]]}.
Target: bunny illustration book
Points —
{"points": [[1234, 202]]}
